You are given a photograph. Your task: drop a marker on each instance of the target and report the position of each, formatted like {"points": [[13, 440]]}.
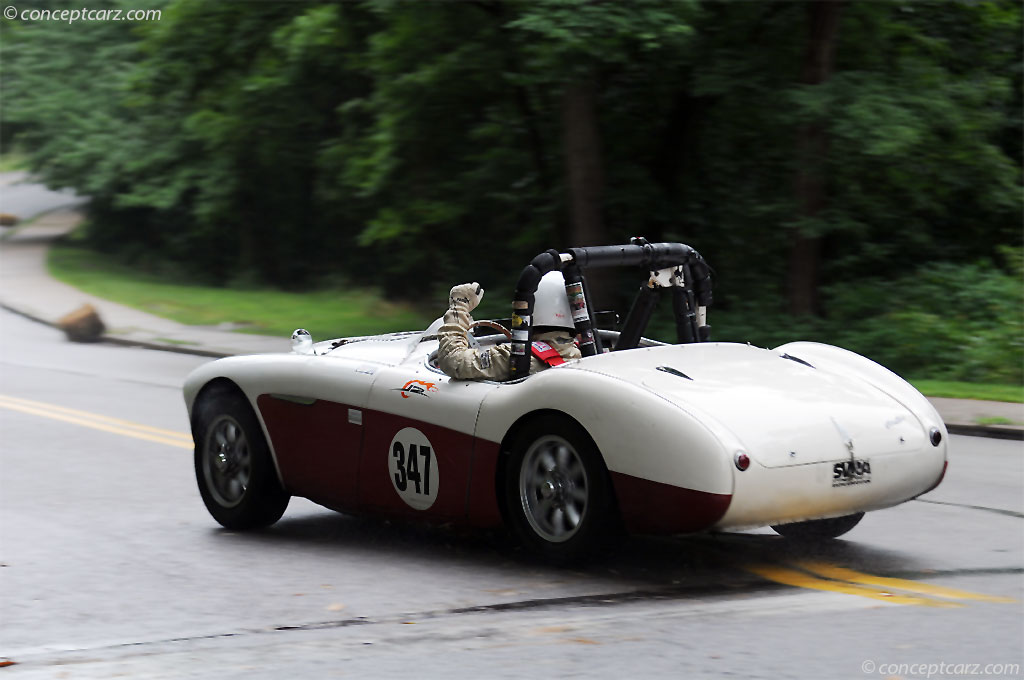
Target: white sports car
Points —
{"points": [[654, 437]]}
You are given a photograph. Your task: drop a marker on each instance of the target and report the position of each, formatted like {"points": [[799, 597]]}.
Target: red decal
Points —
{"points": [[418, 387]]}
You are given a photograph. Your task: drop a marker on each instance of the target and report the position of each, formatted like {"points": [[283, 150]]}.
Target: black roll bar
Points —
{"points": [[696, 292]]}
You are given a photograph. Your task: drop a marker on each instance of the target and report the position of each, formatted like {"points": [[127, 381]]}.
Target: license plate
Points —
{"points": [[851, 472]]}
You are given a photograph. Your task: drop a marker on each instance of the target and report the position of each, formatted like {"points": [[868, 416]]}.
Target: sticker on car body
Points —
{"points": [[416, 387], [851, 472], [412, 462]]}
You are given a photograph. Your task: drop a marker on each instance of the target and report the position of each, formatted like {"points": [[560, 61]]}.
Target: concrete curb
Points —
{"points": [[178, 349], [124, 342], [27, 289], [10, 233], [990, 431]]}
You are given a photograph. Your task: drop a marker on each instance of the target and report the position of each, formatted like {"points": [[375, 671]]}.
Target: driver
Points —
{"points": [[553, 337]]}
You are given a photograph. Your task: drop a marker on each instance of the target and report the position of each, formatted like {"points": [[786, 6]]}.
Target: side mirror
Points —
{"points": [[302, 342]]}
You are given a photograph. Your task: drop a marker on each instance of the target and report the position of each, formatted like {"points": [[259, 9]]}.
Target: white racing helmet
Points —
{"points": [[551, 305]]}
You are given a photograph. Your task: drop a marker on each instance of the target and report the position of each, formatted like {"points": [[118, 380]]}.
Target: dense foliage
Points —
{"points": [[944, 321], [871, 147]]}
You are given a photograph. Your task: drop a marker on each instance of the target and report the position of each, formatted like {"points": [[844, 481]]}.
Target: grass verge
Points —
{"points": [[324, 313], [963, 390], [13, 160], [996, 420]]}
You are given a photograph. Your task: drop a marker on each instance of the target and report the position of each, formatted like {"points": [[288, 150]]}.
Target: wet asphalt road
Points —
{"points": [[110, 566]]}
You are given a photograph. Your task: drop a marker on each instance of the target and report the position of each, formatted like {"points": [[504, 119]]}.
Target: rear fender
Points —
{"points": [[655, 452], [852, 365]]}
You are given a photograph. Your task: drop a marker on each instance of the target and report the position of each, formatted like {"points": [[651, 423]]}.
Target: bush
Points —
{"points": [[944, 321]]}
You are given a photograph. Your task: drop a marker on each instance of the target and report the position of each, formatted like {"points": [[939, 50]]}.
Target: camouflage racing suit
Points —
{"points": [[456, 358]]}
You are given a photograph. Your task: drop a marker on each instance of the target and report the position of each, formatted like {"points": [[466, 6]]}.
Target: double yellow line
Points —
{"points": [[97, 422], [829, 577]]}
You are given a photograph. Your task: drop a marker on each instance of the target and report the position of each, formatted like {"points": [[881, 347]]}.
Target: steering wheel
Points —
{"points": [[473, 342]]}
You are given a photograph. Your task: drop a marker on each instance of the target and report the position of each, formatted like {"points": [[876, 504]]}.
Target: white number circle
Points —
{"points": [[412, 462]]}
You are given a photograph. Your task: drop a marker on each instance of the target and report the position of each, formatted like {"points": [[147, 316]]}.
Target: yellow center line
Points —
{"points": [[841, 573], [799, 579], [93, 416], [97, 422]]}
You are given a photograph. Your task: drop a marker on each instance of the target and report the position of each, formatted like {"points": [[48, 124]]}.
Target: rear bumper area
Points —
{"points": [[764, 496]]}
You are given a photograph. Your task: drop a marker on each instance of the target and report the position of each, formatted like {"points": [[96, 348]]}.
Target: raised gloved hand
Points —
{"points": [[465, 297]]}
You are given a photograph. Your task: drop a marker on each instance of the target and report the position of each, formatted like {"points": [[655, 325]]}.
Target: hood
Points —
{"points": [[781, 408], [388, 348]]}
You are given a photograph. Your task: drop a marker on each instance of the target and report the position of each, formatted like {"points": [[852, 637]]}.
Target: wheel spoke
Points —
{"points": [[565, 460], [573, 515], [557, 526], [547, 461]]}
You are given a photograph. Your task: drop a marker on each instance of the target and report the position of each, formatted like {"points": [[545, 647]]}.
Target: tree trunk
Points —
{"points": [[677, 162], [583, 164], [812, 147], [585, 174]]}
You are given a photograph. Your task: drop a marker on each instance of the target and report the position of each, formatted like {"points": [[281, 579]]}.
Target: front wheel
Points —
{"points": [[819, 529], [234, 470], [557, 491]]}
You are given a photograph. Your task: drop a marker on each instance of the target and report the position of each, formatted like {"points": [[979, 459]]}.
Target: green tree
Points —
{"points": [[802, 147]]}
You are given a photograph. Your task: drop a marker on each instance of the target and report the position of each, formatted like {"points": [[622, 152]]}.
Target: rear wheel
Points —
{"points": [[234, 470], [557, 492], [818, 529]]}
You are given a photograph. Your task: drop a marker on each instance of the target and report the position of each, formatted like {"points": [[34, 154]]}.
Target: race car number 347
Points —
{"points": [[412, 462]]}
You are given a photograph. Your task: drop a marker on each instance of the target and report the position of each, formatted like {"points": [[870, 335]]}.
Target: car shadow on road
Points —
{"points": [[673, 566]]}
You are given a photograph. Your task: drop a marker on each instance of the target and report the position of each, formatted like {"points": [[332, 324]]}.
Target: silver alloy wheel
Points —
{"points": [[553, 488], [227, 461]]}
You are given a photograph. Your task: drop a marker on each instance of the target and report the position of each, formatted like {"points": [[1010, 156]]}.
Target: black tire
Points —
{"points": [[234, 470], [819, 529], [558, 497]]}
